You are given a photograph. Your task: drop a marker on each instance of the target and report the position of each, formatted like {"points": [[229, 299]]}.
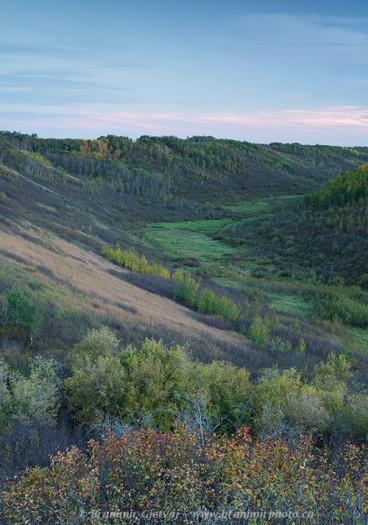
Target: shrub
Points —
{"points": [[205, 300], [178, 275], [97, 388], [187, 291], [96, 343], [6, 401], [131, 382], [20, 316], [227, 390], [260, 331], [159, 379], [132, 261], [37, 397], [181, 475], [330, 378], [33, 398], [342, 309], [282, 401]]}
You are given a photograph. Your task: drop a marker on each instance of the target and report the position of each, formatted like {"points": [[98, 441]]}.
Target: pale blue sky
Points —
{"points": [[251, 70]]}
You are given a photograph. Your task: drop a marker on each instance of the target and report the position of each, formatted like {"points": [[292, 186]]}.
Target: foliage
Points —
{"points": [[260, 331], [6, 400], [19, 315], [97, 343], [281, 399], [156, 383], [128, 382], [205, 300], [37, 397], [180, 473], [347, 310], [132, 261], [34, 397], [188, 291], [96, 388], [347, 187], [227, 390], [160, 379], [290, 263]]}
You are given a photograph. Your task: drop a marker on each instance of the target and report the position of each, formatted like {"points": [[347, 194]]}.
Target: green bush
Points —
{"points": [[259, 331], [187, 291], [227, 391], [96, 389], [205, 300], [342, 309], [35, 397], [20, 316], [281, 400]]}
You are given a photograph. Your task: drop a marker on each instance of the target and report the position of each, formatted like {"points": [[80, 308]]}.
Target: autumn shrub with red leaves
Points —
{"points": [[147, 471]]}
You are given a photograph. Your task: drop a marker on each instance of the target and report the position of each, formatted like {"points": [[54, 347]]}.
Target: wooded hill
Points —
{"points": [[199, 169], [326, 234]]}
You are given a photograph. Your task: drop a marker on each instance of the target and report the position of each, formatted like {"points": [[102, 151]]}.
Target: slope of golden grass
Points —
{"points": [[84, 278]]}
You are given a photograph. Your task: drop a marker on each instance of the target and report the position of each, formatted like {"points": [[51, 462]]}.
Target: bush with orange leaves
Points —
{"points": [[185, 473]]}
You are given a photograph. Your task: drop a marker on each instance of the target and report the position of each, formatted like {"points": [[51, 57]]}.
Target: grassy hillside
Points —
{"points": [[180, 287], [113, 189]]}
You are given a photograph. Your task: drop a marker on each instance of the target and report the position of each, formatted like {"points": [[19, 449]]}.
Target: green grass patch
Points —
{"points": [[190, 239], [198, 238], [289, 304], [258, 207], [360, 338]]}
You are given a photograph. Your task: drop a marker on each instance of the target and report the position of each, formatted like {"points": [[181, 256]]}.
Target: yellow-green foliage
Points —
{"points": [[39, 158], [188, 291], [178, 275], [282, 398], [347, 187], [107, 380], [259, 331], [154, 380], [227, 388], [130, 260], [205, 300], [19, 315], [159, 379]]}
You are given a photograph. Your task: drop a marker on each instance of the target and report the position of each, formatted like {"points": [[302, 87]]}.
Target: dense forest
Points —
{"points": [[183, 329], [197, 168]]}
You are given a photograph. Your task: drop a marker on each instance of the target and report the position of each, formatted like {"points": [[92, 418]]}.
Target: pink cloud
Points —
{"points": [[344, 125], [334, 117]]}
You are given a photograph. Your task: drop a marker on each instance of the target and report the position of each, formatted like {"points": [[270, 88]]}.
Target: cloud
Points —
{"points": [[342, 125], [275, 119], [43, 48], [48, 87], [339, 39]]}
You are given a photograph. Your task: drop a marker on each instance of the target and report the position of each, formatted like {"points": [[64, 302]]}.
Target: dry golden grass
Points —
{"points": [[82, 279]]}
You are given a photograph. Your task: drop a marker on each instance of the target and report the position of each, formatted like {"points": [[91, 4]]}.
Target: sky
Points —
{"points": [[260, 71]]}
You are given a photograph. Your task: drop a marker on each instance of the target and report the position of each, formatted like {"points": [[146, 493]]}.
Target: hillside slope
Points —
{"points": [[55, 220], [195, 170], [326, 236], [92, 290]]}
